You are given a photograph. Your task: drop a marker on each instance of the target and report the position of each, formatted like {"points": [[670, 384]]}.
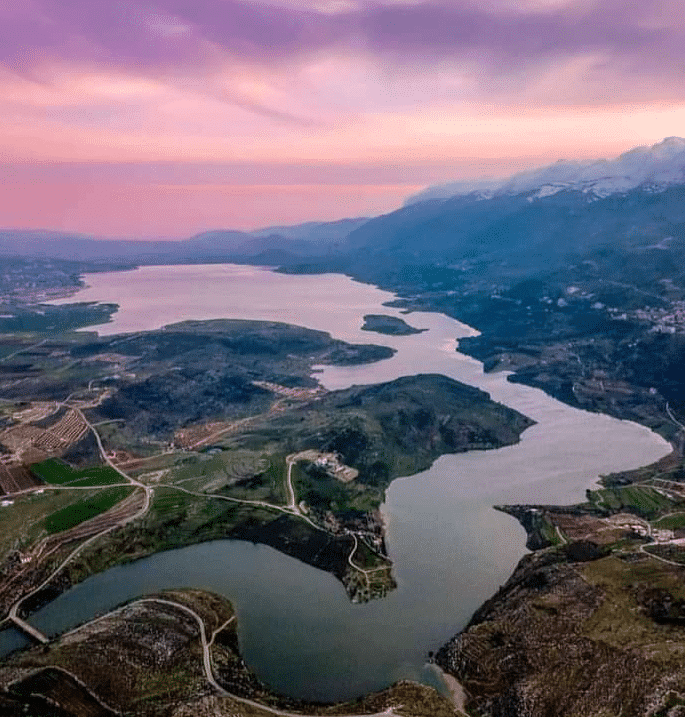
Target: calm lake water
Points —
{"points": [[450, 549]]}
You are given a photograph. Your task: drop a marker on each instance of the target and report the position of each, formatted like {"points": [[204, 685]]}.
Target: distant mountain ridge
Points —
{"points": [[512, 235], [272, 245], [534, 221], [313, 231], [661, 165], [529, 222]]}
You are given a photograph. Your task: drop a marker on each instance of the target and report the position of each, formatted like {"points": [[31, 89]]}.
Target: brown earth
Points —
{"points": [[576, 632]]}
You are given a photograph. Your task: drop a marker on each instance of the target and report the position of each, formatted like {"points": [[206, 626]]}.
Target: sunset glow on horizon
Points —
{"points": [[162, 118]]}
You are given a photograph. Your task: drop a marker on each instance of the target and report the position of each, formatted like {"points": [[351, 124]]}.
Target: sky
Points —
{"points": [[163, 118]]}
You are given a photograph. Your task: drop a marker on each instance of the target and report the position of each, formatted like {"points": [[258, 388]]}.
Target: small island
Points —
{"points": [[390, 325]]}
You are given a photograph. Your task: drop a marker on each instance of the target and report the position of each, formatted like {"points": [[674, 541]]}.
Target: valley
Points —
{"points": [[219, 429], [208, 430], [131, 445]]}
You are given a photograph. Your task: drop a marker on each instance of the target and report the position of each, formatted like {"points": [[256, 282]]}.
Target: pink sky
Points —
{"points": [[164, 118]]}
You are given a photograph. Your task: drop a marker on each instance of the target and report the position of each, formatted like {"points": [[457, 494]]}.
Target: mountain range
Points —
{"points": [[537, 218], [631, 208], [658, 166], [272, 245]]}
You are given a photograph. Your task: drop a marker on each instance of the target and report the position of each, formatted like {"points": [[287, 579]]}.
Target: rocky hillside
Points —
{"points": [[577, 632]]}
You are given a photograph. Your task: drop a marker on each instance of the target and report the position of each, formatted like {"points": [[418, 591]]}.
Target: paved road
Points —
{"points": [[292, 504], [64, 486], [673, 418], [560, 535], [21, 350]]}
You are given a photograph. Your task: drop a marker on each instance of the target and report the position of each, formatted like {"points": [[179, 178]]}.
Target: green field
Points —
{"points": [[642, 500], [323, 492], [671, 522], [85, 509], [57, 472], [23, 523]]}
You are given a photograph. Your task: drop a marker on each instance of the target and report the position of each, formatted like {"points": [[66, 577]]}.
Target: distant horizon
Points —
{"points": [[180, 237], [155, 118], [332, 198], [404, 193]]}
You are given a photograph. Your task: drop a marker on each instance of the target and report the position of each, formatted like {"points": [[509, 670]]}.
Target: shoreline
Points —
{"points": [[451, 318], [457, 694]]}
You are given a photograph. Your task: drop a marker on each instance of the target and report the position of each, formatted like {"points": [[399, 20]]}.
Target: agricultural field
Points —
{"points": [[671, 522], [643, 500], [78, 512], [15, 478], [23, 522], [56, 472]]}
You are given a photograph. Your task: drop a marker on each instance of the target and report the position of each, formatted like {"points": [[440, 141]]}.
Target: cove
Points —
{"points": [[451, 550]]}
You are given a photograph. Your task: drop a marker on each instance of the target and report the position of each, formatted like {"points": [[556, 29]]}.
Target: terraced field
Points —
{"points": [[647, 501], [28, 567], [85, 509], [15, 478]]}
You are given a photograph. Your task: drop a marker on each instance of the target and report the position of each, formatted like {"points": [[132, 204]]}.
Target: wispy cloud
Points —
{"points": [[376, 87], [180, 36]]}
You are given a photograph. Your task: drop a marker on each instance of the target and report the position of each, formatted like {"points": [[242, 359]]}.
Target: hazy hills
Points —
{"points": [[273, 245], [536, 219]]}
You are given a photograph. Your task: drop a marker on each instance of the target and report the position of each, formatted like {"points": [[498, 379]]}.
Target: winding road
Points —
{"points": [[292, 508], [14, 609], [673, 418], [290, 461], [207, 660]]}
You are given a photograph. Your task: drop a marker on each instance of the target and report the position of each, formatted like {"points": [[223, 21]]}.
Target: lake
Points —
{"points": [[451, 550]]}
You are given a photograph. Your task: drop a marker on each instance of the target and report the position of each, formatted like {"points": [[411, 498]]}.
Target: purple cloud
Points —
{"points": [[188, 36], [443, 29]]}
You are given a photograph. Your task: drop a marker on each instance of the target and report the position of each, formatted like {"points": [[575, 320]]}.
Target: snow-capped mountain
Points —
{"points": [[658, 167], [544, 218]]}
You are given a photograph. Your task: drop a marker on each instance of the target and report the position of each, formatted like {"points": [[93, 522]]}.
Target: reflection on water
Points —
{"points": [[451, 550]]}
